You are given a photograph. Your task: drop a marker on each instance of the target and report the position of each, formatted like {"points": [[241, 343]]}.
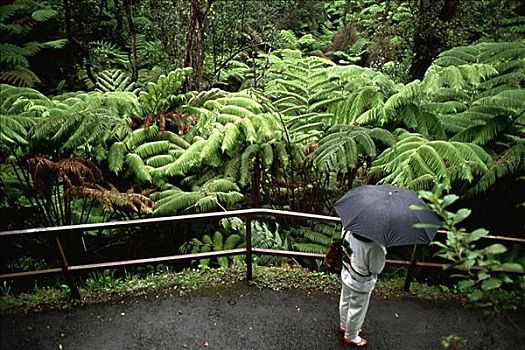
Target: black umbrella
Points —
{"points": [[381, 213]]}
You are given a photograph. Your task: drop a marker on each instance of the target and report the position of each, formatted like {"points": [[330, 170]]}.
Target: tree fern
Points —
{"points": [[415, 161], [189, 160], [312, 239], [215, 194], [488, 109], [216, 242], [13, 131], [113, 80], [510, 162], [108, 55], [17, 19], [93, 127], [159, 97], [343, 146]]}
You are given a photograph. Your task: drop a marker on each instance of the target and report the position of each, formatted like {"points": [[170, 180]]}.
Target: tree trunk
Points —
{"points": [[195, 43], [256, 183], [179, 22], [71, 67], [430, 33], [133, 36], [119, 28]]}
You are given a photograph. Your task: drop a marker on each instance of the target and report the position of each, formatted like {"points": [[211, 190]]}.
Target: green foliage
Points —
{"points": [[107, 56], [213, 195], [264, 237], [476, 93], [301, 90], [17, 20], [162, 96], [82, 122], [88, 129], [113, 80], [481, 267], [345, 147], [453, 342], [217, 242], [306, 43], [314, 239], [418, 163], [104, 281]]}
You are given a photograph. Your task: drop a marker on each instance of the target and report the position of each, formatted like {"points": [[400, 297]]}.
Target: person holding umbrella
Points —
{"points": [[363, 260], [375, 217]]}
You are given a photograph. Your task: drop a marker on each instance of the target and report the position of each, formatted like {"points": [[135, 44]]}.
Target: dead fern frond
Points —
{"points": [[112, 200]]}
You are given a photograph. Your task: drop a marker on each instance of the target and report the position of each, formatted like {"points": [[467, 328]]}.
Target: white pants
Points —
{"points": [[352, 310]]}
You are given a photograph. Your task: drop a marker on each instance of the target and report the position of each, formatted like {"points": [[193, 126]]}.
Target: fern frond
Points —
{"points": [[156, 97], [231, 138], [13, 130], [116, 156], [247, 164], [152, 148], [233, 241], [210, 152], [236, 110], [414, 158], [219, 185], [232, 168], [159, 160], [113, 80], [510, 162], [19, 77], [141, 135], [188, 160], [310, 248], [241, 101], [138, 167], [177, 203], [44, 14]]}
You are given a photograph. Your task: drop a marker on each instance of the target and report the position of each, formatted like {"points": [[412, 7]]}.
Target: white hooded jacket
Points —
{"points": [[362, 262]]}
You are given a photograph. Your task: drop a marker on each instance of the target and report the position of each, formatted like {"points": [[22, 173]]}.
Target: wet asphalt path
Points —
{"points": [[245, 317]]}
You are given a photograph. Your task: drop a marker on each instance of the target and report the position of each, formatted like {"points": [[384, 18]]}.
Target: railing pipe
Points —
{"points": [[171, 219], [75, 294], [248, 251]]}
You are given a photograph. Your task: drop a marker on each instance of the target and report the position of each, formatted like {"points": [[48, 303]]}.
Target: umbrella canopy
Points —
{"points": [[381, 213]]}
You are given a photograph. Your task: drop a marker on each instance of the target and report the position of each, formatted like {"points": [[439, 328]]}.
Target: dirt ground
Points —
{"points": [[245, 317]]}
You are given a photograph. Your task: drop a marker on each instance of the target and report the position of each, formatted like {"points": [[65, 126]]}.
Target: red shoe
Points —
{"points": [[363, 342]]}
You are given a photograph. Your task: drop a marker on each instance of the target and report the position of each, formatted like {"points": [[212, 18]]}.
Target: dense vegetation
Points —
{"points": [[117, 109]]}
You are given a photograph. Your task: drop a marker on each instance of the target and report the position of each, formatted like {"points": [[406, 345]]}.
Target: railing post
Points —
{"points": [[248, 238], [75, 294], [411, 269]]}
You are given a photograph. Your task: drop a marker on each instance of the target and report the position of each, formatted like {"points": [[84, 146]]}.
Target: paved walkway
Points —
{"points": [[245, 317]]}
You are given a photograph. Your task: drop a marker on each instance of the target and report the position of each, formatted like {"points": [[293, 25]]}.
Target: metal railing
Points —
{"points": [[248, 251]]}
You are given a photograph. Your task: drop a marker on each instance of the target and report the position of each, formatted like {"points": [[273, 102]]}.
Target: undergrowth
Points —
{"points": [[105, 287]]}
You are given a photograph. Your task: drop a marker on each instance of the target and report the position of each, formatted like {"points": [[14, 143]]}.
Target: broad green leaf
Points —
{"points": [[483, 276], [491, 283], [449, 199], [466, 284], [512, 266], [475, 295], [495, 249], [477, 234], [461, 215]]}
